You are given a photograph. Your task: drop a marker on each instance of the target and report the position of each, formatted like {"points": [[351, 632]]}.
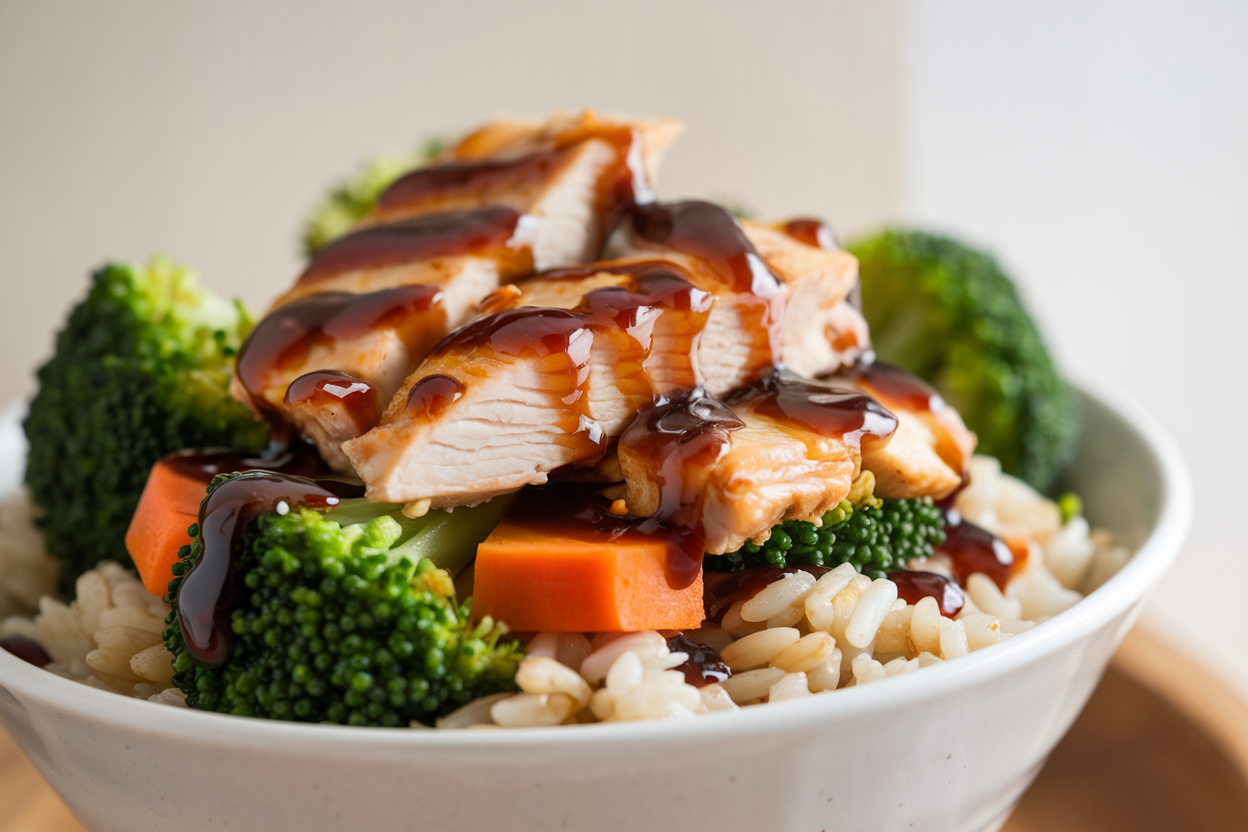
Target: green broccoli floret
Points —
{"points": [[140, 370], [347, 625], [874, 536], [347, 203], [950, 315]]}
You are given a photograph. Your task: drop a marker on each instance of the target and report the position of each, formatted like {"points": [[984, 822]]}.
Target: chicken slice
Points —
{"points": [[532, 389], [932, 447], [637, 340], [822, 329], [792, 454], [456, 231]]}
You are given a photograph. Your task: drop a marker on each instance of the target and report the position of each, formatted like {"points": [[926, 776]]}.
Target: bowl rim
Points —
{"points": [[1130, 585]]}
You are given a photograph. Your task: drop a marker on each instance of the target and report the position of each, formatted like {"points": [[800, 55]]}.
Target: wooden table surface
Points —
{"points": [[1162, 745]]}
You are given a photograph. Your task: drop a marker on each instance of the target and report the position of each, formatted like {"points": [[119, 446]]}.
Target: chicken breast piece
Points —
{"points": [[787, 449], [822, 330], [534, 388], [932, 449], [738, 343], [458, 230]]}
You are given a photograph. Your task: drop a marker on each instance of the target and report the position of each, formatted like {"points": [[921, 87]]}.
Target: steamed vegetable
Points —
{"points": [[347, 204], [538, 581], [875, 536], [344, 625], [950, 315], [140, 370], [168, 506]]}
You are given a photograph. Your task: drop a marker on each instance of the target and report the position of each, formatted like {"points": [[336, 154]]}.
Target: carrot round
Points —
{"points": [[168, 506], [535, 581]]}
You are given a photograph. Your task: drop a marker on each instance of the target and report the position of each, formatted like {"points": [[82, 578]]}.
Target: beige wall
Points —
{"points": [[204, 131]]}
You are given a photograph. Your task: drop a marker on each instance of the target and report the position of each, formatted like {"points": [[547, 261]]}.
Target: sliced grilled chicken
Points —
{"points": [[932, 448], [570, 394], [450, 235], [822, 329], [612, 354], [532, 389], [786, 449]]}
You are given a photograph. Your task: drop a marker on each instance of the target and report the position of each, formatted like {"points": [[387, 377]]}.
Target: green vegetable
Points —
{"points": [[1070, 505], [141, 369], [874, 536], [950, 315], [347, 203], [347, 624]]}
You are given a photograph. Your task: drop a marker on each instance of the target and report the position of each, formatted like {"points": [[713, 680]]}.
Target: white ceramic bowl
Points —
{"points": [[949, 748]]}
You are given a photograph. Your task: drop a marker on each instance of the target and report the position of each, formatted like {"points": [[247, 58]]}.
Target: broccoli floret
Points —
{"points": [[141, 369], [874, 536], [346, 624], [347, 203], [950, 315]]}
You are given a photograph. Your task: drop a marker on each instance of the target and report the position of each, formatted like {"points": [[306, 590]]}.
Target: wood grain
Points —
{"points": [[1162, 745]]}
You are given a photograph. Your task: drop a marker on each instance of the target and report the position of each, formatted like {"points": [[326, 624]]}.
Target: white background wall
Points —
{"points": [[1098, 147]]}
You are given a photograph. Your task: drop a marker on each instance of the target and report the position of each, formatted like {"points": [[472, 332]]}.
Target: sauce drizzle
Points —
{"points": [[482, 232], [829, 407], [972, 549], [284, 339], [209, 592], [914, 586]]}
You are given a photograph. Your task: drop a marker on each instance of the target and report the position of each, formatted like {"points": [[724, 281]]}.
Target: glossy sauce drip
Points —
{"points": [[895, 386], [209, 593], [974, 549], [812, 232], [284, 339], [432, 395], [913, 587], [831, 407], [457, 182], [568, 509], [703, 667], [678, 442], [720, 590], [26, 649], [484, 232], [627, 182], [338, 391], [727, 264], [626, 315], [710, 233], [297, 458]]}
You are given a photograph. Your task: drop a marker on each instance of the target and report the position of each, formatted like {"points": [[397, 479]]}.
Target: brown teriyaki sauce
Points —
{"points": [[297, 458], [812, 232], [336, 391], [26, 649], [971, 549], [209, 592], [914, 586], [462, 182], [482, 232], [720, 590], [703, 667], [652, 299], [829, 407], [713, 238], [284, 339], [893, 385]]}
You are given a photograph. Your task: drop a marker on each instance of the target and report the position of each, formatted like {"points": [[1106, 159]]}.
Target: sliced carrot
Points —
{"points": [[169, 505], [538, 582]]}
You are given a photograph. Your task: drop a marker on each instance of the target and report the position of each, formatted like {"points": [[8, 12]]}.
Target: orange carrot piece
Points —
{"points": [[168, 506], [535, 582]]}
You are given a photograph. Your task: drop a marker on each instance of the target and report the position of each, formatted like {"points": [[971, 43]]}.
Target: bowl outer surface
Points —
{"points": [[951, 748]]}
